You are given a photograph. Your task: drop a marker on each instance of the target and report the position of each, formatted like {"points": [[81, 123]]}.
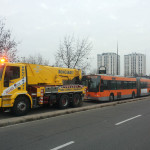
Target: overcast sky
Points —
{"points": [[41, 24]]}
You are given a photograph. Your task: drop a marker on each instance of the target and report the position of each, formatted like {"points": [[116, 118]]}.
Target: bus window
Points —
{"points": [[113, 85], [104, 85], [94, 83], [125, 85], [119, 85], [134, 84], [130, 85], [143, 85]]}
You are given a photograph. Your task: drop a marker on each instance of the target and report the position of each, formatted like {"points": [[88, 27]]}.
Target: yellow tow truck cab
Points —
{"points": [[24, 86]]}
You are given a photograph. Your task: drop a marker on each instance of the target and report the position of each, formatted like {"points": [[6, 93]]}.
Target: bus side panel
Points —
{"points": [[100, 96], [145, 92], [124, 93], [118, 94]]}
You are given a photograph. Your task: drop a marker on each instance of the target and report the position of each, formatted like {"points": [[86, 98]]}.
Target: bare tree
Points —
{"points": [[7, 44], [93, 71], [37, 59], [73, 53]]}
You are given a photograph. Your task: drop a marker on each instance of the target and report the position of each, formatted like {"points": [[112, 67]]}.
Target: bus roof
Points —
{"points": [[109, 77]]}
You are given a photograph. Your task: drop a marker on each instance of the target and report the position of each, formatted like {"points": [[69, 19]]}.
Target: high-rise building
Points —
{"points": [[135, 64], [109, 61]]}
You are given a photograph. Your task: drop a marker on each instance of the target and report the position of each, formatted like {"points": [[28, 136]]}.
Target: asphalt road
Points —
{"points": [[120, 127], [7, 114]]}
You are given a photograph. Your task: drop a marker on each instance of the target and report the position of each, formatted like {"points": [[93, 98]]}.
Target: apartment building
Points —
{"points": [[109, 61], [135, 64]]}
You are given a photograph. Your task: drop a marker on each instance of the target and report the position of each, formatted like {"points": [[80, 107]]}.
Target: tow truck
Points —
{"points": [[25, 86]]}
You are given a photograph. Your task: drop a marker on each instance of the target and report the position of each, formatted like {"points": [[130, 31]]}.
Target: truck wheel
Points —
{"points": [[21, 106], [63, 102], [76, 101]]}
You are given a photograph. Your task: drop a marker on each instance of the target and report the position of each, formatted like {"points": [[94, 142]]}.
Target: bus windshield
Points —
{"points": [[85, 81], [92, 82], [1, 71]]}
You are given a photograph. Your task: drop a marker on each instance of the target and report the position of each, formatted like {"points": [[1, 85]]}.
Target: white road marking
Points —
{"points": [[128, 120], [62, 146]]}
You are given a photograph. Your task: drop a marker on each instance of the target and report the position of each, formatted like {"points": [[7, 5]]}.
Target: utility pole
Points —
{"points": [[117, 57]]}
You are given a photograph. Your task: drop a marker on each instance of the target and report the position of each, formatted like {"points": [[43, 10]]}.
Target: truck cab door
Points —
{"points": [[14, 80]]}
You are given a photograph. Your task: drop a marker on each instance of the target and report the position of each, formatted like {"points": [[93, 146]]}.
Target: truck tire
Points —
{"points": [[76, 101], [21, 106], [63, 102]]}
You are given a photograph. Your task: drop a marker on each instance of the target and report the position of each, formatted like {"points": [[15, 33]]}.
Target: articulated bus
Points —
{"points": [[110, 88]]}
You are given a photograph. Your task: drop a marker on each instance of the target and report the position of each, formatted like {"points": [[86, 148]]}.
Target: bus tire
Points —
{"points": [[63, 101], [111, 97], [133, 95], [21, 106], [76, 100]]}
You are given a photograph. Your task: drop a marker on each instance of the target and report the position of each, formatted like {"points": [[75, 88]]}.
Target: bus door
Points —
{"points": [[138, 86], [105, 88]]}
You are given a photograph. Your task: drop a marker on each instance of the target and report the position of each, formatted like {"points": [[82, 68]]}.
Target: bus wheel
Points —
{"points": [[63, 102], [21, 106], [76, 101], [133, 95], [111, 97]]}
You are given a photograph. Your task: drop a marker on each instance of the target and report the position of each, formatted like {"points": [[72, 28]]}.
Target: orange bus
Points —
{"points": [[110, 88]]}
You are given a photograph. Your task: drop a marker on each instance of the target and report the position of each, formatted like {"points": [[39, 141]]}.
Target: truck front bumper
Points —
{"points": [[6, 102]]}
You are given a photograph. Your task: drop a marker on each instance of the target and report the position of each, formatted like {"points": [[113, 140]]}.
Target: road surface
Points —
{"points": [[7, 114], [120, 127]]}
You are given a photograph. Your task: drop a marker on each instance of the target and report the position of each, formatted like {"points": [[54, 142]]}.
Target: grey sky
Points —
{"points": [[41, 24]]}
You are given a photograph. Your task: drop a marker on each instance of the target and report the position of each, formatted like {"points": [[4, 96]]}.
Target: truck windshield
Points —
{"points": [[1, 71]]}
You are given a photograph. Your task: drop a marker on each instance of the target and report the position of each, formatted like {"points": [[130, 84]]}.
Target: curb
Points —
{"points": [[17, 120]]}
